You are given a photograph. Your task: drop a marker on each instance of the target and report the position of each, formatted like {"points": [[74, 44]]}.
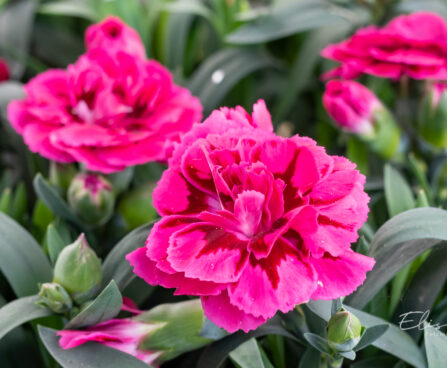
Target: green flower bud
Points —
{"points": [[78, 270], [54, 297], [136, 206], [344, 331], [432, 122], [385, 140], [91, 198], [176, 329]]}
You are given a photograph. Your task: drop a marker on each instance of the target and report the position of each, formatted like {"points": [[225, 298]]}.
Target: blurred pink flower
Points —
{"points": [[108, 110], [121, 334], [4, 71], [254, 223], [351, 104], [114, 36], [414, 45]]}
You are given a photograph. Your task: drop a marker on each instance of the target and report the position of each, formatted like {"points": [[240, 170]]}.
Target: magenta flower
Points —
{"points": [[351, 105], [122, 334], [113, 35], [4, 71], [414, 45], [254, 223], [109, 110]]}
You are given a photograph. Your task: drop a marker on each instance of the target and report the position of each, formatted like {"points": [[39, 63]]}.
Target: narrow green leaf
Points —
{"points": [[189, 7], [370, 335], [215, 354], [398, 194], [301, 72], [394, 341], [22, 261], [248, 355], [221, 71], [54, 242], [18, 207], [410, 6], [53, 200], [115, 266], [91, 355], [285, 20], [20, 311], [318, 343], [106, 306], [76, 8], [419, 297], [398, 242], [311, 358], [5, 201], [16, 25], [435, 346]]}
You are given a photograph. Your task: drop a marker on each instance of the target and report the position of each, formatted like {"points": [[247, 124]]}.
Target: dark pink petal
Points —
{"points": [[208, 253], [224, 314], [266, 285], [174, 195], [340, 276], [157, 242], [149, 272]]}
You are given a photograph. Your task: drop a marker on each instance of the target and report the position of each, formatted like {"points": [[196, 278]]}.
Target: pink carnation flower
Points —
{"points": [[113, 35], [122, 334], [351, 105], [413, 45], [108, 110], [254, 223]]}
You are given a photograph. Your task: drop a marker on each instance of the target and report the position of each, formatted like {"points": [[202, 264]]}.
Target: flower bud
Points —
{"points": [[344, 331], [155, 336], [78, 270], [92, 199], [357, 110], [432, 122], [54, 297]]}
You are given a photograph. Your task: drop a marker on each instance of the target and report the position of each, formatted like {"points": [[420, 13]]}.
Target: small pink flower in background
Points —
{"points": [[114, 36], [121, 334], [4, 71], [414, 45], [254, 223], [109, 110], [351, 105]]}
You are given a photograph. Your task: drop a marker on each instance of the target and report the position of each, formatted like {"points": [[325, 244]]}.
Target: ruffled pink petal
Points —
{"points": [[340, 276], [224, 314], [266, 285], [175, 195], [208, 253], [149, 272]]}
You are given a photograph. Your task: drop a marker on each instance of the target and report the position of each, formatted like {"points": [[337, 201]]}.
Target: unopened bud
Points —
{"points": [[61, 175], [432, 122], [357, 110], [91, 198], [54, 297], [78, 270], [344, 331]]}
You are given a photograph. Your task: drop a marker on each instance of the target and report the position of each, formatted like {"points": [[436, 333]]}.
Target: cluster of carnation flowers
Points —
{"points": [[409, 47], [251, 223]]}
